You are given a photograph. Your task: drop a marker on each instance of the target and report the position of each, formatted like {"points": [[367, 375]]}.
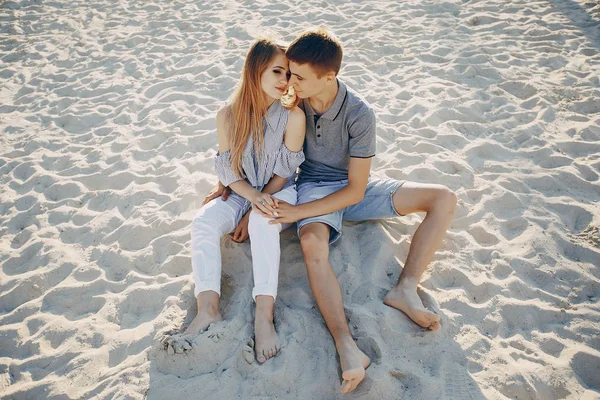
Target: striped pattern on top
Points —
{"points": [[276, 159]]}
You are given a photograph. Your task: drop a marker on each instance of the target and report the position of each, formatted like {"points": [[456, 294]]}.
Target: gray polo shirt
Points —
{"points": [[347, 129]]}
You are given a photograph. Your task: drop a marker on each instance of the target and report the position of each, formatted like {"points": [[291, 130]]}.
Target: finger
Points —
{"points": [[346, 386], [275, 221], [244, 235], [269, 208], [276, 202], [235, 235], [225, 194], [264, 208], [206, 199]]}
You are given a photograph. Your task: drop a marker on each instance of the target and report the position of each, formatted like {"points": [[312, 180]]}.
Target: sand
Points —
{"points": [[106, 144]]}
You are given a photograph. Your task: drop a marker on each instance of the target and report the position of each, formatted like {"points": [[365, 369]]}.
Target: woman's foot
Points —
{"points": [[202, 321], [208, 312], [267, 343]]}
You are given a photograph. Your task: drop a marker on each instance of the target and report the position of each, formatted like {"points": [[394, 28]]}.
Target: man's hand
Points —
{"points": [[241, 232], [217, 191], [286, 214]]}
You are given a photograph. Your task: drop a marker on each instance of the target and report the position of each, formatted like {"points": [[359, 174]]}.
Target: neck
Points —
{"points": [[322, 101], [269, 101]]}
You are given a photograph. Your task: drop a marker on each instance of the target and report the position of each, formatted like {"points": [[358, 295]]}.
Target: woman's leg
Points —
{"points": [[213, 220], [266, 251]]}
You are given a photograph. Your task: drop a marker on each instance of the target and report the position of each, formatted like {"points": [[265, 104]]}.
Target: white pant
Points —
{"points": [[218, 218]]}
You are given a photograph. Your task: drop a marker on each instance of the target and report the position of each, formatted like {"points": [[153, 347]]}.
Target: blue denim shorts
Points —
{"points": [[377, 203]]}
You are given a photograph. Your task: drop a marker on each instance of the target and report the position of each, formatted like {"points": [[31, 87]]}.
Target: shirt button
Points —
{"points": [[318, 126], [318, 135]]}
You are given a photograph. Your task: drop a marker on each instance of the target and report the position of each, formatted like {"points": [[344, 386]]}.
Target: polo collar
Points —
{"points": [[333, 111]]}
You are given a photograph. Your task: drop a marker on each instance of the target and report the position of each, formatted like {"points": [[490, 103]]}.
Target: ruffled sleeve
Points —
{"points": [[287, 162], [224, 170]]}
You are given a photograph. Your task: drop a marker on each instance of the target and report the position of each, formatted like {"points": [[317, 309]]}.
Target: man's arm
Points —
{"points": [[358, 177]]}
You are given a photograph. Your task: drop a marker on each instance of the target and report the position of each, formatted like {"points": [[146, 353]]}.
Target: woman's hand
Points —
{"points": [[217, 191], [265, 203]]}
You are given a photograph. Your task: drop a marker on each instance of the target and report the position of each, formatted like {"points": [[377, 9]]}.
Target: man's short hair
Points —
{"points": [[319, 48]]}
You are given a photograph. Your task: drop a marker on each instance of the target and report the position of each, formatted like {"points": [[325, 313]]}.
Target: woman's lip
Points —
{"points": [[280, 89]]}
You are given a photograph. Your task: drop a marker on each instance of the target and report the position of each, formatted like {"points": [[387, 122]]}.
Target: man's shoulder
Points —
{"points": [[356, 104]]}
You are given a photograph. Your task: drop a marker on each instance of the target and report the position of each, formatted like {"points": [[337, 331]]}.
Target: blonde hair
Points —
{"points": [[249, 104]]}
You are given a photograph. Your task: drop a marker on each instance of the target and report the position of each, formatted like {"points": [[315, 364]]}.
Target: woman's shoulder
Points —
{"points": [[296, 115], [224, 111], [296, 126], [224, 116]]}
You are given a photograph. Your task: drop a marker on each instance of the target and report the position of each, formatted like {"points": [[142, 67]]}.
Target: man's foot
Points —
{"points": [[267, 342], [405, 298], [353, 362], [202, 321]]}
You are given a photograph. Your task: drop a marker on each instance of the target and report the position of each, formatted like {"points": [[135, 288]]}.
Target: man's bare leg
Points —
{"points": [[267, 341], [208, 312], [439, 203], [314, 239]]}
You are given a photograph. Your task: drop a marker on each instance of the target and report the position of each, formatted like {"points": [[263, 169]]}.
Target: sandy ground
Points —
{"points": [[106, 144]]}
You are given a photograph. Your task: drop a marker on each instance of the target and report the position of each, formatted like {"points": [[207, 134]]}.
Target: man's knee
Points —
{"points": [[314, 240], [446, 200]]}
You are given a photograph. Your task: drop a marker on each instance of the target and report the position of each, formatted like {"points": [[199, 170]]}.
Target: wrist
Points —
{"points": [[301, 209], [254, 196]]}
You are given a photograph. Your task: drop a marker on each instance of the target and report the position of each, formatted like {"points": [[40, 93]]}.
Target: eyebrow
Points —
{"points": [[279, 66], [296, 75]]}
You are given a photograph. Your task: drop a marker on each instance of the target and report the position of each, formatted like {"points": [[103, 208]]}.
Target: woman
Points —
{"points": [[260, 170]]}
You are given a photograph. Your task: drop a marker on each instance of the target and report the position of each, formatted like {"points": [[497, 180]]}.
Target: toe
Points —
{"points": [[178, 347], [261, 358], [346, 386], [435, 326]]}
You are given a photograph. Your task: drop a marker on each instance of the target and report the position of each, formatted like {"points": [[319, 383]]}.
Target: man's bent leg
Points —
{"points": [[439, 203], [314, 239]]}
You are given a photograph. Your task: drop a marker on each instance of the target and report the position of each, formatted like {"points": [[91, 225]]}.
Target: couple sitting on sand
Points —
{"points": [[329, 132]]}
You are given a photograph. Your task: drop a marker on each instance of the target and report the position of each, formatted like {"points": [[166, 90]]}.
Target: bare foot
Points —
{"points": [[406, 299], [202, 321], [177, 343], [353, 362], [267, 341]]}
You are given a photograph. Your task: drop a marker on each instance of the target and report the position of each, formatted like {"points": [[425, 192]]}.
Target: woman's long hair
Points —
{"points": [[249, 103]]}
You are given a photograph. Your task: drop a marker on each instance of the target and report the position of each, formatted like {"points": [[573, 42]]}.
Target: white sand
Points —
{"points": [[106, 130]]}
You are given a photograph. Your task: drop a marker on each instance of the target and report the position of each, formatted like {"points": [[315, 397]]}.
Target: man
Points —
{"points": [[334, 185]]}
